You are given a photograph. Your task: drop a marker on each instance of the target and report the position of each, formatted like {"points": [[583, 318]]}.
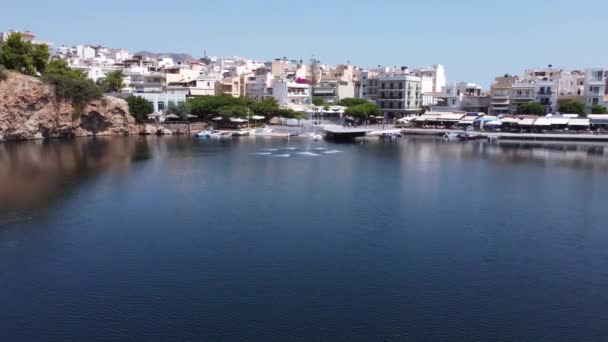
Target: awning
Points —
{"points": [[509, 121], [450, 117], [257, 117], [420, 119], [542, 122], [578, 122], [237, 120], [493, 123], [559, 121], [486, 118], [526, 122], [599, 121]]}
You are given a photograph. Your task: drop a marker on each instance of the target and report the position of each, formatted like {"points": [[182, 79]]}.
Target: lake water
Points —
{"points": [[174, 239]]}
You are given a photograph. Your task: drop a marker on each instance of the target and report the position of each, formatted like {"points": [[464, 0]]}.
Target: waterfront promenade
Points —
{"points": [[515, 136]]}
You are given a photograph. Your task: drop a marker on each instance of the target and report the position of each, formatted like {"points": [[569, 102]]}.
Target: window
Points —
{"points": [[453, 102], [595, 101], [161, 105]]}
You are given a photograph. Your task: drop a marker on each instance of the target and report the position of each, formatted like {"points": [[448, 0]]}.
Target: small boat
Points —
{"points": [[240, 134], [469, 136], [293, 133], [316, 137], [389, 136], [449, 136], [203, 134]]}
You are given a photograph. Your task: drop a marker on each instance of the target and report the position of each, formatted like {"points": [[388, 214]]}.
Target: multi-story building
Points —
{"points": [[289, 92], [595, 87], [85, 52], [521, 93], [501, 93], [462, 96], [333, 90], [399, 95], [432, 79], [368, 88], [259, 85]]}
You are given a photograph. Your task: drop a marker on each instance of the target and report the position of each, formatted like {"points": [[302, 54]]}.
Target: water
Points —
{"points": [[173, 239]]}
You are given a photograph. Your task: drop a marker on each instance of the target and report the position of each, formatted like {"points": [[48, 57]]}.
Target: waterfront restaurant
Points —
{"points": [[599, 122], [439, 119]]}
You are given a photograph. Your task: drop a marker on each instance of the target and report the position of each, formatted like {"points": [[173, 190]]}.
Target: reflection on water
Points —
{"points": [[34, 173], [172, 238]]}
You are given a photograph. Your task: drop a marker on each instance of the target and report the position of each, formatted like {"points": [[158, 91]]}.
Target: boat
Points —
{"points": [[449, 136], [469, 136], [203, 134], [240, 134], [389, 135], [293, 133]]}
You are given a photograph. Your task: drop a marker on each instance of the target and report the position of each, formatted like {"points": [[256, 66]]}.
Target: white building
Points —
{"points": [[595, 87], [399, 95], [432, 79], [85, 52], [288, 92]]}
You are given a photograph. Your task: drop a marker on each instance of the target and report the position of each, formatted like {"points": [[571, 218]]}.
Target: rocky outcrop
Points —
{"points": [[30, 110]]}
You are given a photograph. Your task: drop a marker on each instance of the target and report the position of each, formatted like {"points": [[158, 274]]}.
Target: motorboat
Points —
{"points": [[469, 136], [240, 134], [203, 134], [449, 136]]}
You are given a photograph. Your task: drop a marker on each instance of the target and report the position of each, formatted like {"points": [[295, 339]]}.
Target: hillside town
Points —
{"points": [[304, 84]]}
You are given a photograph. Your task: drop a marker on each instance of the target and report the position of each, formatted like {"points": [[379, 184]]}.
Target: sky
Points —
{"points": [[475, 40]]}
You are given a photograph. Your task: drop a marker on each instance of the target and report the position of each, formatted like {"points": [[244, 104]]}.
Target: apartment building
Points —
{"points": [[432, 79], [399, 95], [595, 87], [462, 96], [291, 93]]}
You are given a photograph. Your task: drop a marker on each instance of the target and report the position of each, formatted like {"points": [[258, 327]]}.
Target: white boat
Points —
{"points": [[449, 136], [203, 134], [316, 137]]}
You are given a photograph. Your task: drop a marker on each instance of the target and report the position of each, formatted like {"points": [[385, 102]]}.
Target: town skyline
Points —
{"points": [[459, 36]]}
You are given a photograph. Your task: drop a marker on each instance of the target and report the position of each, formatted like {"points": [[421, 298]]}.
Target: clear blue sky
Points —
{"points": [[474, 39]]}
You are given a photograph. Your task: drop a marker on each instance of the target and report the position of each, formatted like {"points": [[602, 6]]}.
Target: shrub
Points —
{"points": [[77, 91], [139, 108], [597, 109]]}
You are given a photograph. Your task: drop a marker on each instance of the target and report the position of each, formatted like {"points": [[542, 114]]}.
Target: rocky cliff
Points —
{"points": [[30, 110]]}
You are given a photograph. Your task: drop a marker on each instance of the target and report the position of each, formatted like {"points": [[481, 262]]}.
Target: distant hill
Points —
{"points": [[178, 57]]}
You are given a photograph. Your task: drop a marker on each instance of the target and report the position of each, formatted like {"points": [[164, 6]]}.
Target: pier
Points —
{"points": [[335, 132]]}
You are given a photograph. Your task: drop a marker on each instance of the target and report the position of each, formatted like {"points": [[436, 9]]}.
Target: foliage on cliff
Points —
{"points": [[23, 56], [139, 108]]}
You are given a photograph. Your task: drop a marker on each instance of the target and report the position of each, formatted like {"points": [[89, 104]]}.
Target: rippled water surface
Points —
{"points": [[174, 239]]}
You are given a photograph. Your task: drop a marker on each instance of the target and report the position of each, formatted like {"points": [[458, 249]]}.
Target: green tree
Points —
{"points": [[318, 101], [17, 54], [351, 101], [597, 109], [112, 83], [532, 108], [363, 111], [208, 106], [40, 57], [78, 91], [60, 67], [139, 108], [177, 109], [573, 107]]}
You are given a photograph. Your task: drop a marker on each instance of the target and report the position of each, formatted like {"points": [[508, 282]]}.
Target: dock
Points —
{"points": [[336, 132]]}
